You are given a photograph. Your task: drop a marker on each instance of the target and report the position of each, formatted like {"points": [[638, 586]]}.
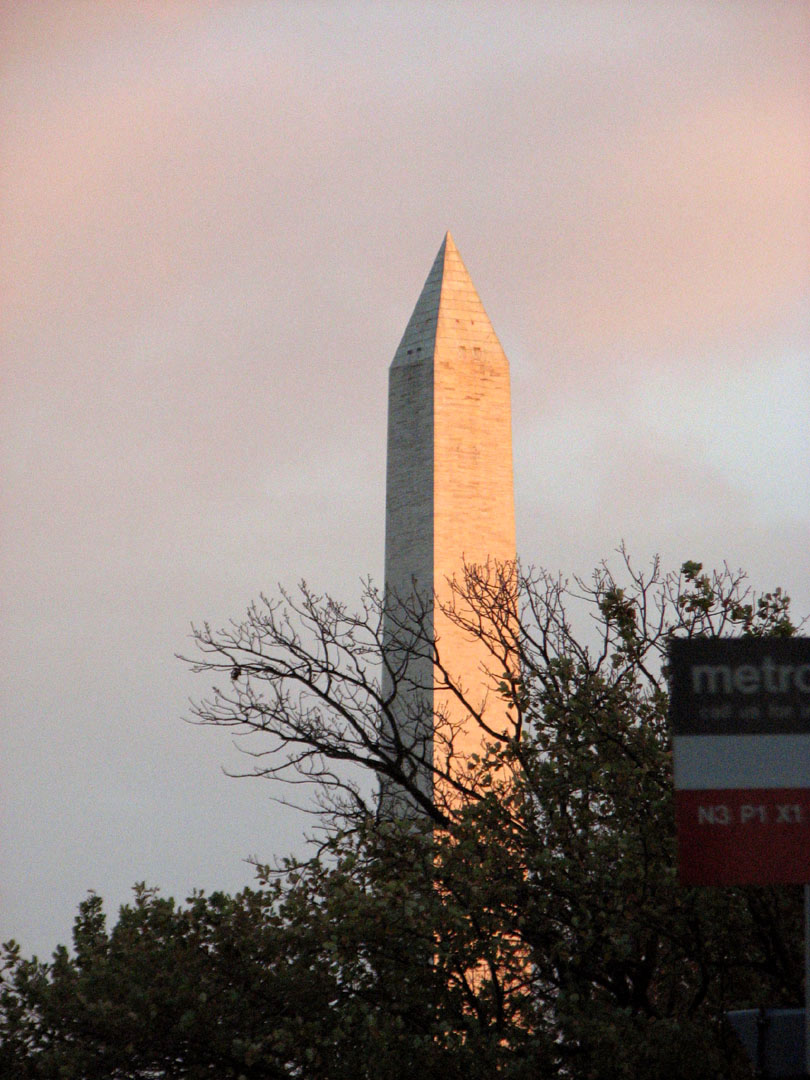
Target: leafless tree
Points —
{"points": [[336, 695]]}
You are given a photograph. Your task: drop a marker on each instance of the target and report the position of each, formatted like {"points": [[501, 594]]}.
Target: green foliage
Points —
{"points": [[329, 973], [541, 932], [630, 972]]}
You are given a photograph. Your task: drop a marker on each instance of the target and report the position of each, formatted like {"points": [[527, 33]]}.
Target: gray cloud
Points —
{"points": [[216, 224]]}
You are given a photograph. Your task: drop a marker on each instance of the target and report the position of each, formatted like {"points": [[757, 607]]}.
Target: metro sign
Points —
{"points": [[740, 715]]}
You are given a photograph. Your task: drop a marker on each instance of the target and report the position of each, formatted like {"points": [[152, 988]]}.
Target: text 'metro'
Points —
{"points": [[768, 676]]}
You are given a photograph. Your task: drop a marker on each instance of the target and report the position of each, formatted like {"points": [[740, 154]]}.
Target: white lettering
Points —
{"points": [[779, 712], [750, 678], [769, 676], [712, 674], [746, 679], [714, 815]]}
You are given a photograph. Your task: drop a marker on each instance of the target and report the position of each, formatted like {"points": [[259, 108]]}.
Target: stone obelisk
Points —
{"points": [[449, 495]]}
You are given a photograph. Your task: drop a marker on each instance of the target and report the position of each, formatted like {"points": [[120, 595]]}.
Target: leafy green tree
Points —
{"points": [[169, 992], [531, 925], [329, 973], [631, 972]]}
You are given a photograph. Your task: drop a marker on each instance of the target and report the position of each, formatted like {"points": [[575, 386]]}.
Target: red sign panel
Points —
{"points": [[740, 712], [743, 837]]}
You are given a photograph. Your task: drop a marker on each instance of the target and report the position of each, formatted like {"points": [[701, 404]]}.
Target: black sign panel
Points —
{"points": [[740, 686]]}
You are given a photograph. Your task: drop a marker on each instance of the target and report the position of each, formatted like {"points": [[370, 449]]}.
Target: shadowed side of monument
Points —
{"points": [[449, 503]]}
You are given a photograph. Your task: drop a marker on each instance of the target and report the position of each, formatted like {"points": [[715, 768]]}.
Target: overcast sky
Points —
{"points": [[216, 219]]}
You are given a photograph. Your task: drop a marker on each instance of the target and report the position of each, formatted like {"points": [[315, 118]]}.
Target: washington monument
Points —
{"points": [[449, 500]]}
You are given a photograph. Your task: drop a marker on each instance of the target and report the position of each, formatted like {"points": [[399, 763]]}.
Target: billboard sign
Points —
{"points": [[740, 719]]}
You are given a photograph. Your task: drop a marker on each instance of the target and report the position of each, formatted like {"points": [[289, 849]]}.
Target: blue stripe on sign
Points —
{"points": [[741, 761]]}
